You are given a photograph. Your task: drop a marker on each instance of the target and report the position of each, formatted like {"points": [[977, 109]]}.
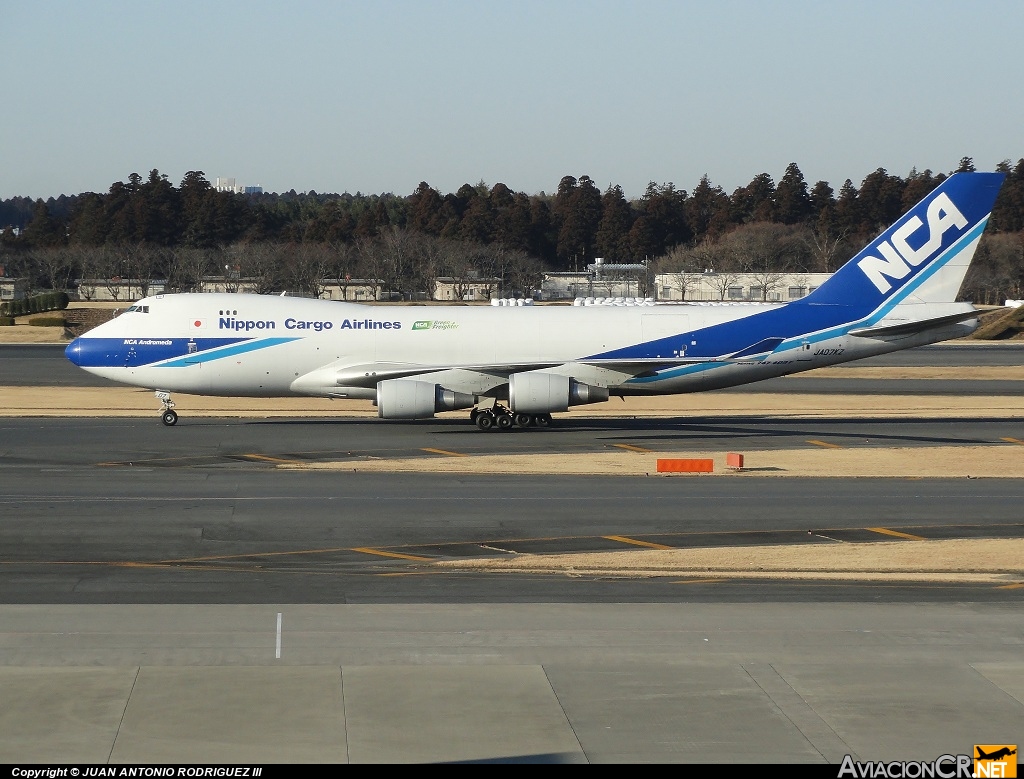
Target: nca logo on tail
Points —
{"points": [[899, 255]]}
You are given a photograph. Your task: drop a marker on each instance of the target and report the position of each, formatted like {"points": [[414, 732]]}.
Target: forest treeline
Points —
{"points": [[146, 228]]}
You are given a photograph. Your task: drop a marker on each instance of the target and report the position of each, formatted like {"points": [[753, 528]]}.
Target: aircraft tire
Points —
{"points": [[505, 422], [523, 420], [542, 420], [169, 418], [485, 420]]}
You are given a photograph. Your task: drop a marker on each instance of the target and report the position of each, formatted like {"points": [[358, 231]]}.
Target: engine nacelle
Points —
{"points": [[411, 399], [537, 392]]}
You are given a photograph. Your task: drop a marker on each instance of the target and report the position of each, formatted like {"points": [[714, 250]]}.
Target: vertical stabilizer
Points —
{"points": [[924, 256]]}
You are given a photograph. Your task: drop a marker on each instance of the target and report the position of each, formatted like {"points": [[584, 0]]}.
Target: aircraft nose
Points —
{"points": [[74, 351]]}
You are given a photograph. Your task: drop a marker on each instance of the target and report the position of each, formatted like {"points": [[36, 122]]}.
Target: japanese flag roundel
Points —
{"points": [[197, 324]]}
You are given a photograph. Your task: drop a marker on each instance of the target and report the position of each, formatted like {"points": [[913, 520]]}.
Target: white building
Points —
{"points": [[222, 184], [468, 290], [12, 288], [116, 288], [710, 286], [574, 284], [777, 287], [354, 291]]}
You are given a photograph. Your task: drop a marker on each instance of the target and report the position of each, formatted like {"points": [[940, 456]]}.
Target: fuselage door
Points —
{"points": [[193, 358], [805, 353]]}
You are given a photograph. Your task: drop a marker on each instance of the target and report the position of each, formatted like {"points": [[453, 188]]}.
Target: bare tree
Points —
{"points": [[767, 281], [721, 271], [433, 259], [496, 261], [524, 272], [140, 262], [396, 260], [89, 261], [260, 265], [682, 266], [462, 266], [306, 268], [767, 252], [56, 264], [344, 261], [826, 248], [722, 281], [997, 272], [227, 264], [372, 263], [187, 269], [685, 281], [112, 270], [801, 282]]}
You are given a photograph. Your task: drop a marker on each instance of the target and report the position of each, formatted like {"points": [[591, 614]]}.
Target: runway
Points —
{"points": [[173, 582], [219, 534]]}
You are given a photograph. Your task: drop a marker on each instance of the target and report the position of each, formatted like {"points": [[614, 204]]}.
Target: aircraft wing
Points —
{"points": [[367, 375], [915, 326], [479, 379]]}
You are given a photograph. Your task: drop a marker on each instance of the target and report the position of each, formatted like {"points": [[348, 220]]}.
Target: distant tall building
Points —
{"points": [[223, 184]]}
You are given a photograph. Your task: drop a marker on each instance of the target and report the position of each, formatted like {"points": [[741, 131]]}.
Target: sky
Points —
{"points": [[378, 96]]}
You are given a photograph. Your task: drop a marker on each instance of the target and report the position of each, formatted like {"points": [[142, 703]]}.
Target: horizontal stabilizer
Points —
{"points": [[764, 346], [909, 328]]}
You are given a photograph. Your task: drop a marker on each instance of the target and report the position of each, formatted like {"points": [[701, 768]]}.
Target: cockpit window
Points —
{"points": [[138, 309]]}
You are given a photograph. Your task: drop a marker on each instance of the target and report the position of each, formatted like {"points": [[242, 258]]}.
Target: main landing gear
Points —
{"points": [[500, 418], [168, 415]]}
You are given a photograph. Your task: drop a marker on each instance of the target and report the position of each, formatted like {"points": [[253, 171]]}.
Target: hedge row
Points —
{"points": [[48, 321], [37, 304]]}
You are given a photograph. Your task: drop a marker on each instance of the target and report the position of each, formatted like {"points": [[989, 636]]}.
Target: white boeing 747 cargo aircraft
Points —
{"points": [[516, 365]]}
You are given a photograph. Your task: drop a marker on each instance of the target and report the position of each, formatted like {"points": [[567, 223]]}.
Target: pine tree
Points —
{"points": [[792, 202], [612, 238], [44, 230]]}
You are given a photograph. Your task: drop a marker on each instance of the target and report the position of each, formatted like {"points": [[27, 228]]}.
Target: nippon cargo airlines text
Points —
{"points": [[317, 325]]}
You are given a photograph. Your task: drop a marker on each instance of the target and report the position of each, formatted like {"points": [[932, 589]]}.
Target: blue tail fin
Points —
{"points": [[924, 256]]}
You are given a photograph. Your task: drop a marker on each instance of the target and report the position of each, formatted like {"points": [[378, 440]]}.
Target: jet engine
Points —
{"points": [[536, 392], [411, 399]]}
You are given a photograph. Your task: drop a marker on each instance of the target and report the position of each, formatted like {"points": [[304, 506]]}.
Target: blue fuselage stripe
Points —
{"points": [[219, 354], [89, 352]]}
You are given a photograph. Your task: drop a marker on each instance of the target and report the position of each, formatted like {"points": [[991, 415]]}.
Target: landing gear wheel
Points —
{"points": [[505, 422], [542, 420], [167, 415], [523, 420], [485, 420]]}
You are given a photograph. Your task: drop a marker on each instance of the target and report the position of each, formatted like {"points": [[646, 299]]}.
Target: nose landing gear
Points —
{"points": [[168, 415]]}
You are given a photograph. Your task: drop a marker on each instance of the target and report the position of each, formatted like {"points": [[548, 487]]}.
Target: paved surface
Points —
{"points": [[640, 683], [235, 530], [265, 443], [174, 598]]}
